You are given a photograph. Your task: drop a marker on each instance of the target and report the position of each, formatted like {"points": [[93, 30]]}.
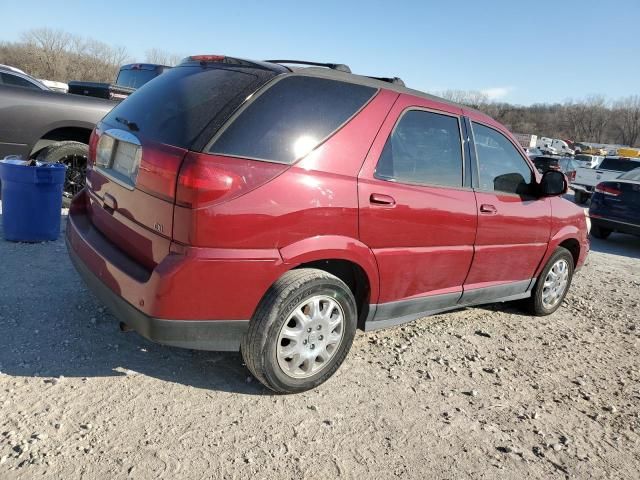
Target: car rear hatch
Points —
{"points": [[136, 152], [620, 201]]}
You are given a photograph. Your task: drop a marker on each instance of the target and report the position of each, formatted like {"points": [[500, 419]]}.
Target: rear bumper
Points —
{"points": [[220, 335], [617, 226], [198, 298]]}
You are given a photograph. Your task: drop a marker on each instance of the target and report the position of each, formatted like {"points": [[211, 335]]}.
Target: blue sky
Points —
{"points": [[521, 52]]}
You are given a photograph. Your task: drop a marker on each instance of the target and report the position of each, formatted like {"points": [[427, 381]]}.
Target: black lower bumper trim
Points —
{"points": [[620, 227], [217, 335]]}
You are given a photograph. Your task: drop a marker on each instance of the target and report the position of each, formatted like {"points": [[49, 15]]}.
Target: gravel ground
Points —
{"points": [[478, 393]]}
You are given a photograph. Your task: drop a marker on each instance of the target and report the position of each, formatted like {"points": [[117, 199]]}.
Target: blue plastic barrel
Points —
{"points": [[31, 201]]}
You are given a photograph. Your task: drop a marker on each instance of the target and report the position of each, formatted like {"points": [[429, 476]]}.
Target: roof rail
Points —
{"points": [[341, 67], [394, 80]]}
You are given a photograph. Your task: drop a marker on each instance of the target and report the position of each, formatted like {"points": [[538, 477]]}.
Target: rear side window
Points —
{"points": [[424, 148], [178, 105], [135, 78], [15, 81], [501, 167], [291, 118], [618, 164]]}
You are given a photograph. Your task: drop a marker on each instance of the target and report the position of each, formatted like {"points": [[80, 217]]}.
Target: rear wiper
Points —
{"points": [[131, 125]]}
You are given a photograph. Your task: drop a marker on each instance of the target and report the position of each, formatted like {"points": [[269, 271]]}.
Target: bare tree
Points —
{"points": [[587, 119], [162, 57], [626, 119], [471, 98]]}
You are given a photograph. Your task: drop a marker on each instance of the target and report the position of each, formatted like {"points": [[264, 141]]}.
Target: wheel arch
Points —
{"points": [[57, 133], [346, 258]]}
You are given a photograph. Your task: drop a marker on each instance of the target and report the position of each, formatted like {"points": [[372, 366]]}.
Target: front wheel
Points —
{"points": [[301, 332], [552, 284]]}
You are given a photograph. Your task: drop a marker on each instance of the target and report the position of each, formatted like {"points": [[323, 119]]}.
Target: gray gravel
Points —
{"points": [[481, 392]]}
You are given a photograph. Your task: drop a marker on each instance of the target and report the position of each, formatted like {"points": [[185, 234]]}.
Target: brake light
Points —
{"points": [[571, 175], [608, 189], [210, 179], [207, 58]]}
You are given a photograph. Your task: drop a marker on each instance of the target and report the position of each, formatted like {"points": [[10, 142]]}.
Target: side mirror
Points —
{"points": [[553, 183]]}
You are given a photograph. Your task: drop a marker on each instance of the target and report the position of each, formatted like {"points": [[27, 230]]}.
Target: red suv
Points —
{"points": [[234, 204]]}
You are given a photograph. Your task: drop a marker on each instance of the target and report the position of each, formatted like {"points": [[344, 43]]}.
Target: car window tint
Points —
{"points": [[291, 118], [619, 164], [424, 148], [501, 167], [15, 81]]}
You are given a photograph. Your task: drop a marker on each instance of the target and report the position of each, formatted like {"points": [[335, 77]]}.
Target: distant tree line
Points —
{"points": [[61, 56], [591, 120]]}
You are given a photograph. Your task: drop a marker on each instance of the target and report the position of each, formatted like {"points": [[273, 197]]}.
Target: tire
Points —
{"points": [[578, 196], [74, 155], [537, 304], [264, 349], [599, 232]]}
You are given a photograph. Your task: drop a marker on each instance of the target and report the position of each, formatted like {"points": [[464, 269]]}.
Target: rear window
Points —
{"points": [[179, 104], [135, 78], [584, 158], [291, 118], [618, 164]]}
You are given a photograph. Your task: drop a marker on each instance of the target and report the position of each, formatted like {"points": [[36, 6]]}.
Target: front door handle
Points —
{"points": [[380, 199], [488, 209]]}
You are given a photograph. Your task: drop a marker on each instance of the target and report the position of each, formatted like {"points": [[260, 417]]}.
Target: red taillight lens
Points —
{"points": [[571, 175], [207, 58], [209, 179], [608, 189], [93, 143]]}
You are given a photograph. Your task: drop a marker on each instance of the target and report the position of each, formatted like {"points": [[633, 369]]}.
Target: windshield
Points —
{"points": [[633, 175], [178, 105]]}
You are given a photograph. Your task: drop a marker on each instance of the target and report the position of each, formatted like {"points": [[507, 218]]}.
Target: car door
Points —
{"points": [[415, 211], [514, 223]]}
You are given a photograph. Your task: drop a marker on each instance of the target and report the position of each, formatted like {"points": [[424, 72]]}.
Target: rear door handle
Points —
{"points": [[380, 199], [488, 209]]}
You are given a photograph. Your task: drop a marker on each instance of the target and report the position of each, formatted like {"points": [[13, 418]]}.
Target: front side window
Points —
{"points": [[291, 118], [501, 167], [424, 148]]}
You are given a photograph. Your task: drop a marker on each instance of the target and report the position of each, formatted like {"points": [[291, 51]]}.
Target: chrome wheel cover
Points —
{"points": [[555, 284], [310, 337]]}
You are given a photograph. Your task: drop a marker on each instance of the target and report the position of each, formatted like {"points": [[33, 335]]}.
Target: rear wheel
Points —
{"points": [[599, 232], [74, 155], [301, 331], [552, 284], [579, 197]]}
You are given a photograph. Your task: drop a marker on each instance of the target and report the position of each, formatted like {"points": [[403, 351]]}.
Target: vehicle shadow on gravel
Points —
{"points": [[53, 327], [617, 244]]}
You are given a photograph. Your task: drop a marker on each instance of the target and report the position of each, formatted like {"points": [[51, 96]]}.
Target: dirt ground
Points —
{"points": [[478, 393]]}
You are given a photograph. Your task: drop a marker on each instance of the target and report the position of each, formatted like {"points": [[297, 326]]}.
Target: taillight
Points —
{"points": [[104, 151], [210, 179], [608, 189], [93, 144], [571, 175]]}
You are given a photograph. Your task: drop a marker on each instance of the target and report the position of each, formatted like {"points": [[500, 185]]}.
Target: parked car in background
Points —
{"points": [[348, 201], [56, 86], [544, 164], [589, 150], [130, 77], [14, 77], [628, 152], [36, 122], [568, 166], [587, 160], [615, 206], [610, 168], [554, 146], [526, 140]]}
